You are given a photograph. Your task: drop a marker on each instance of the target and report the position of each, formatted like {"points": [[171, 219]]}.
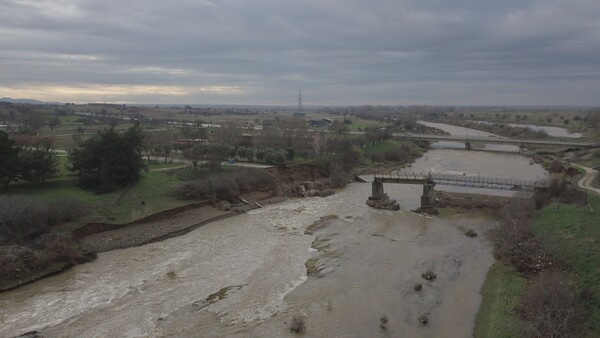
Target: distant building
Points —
{"points": [[321, 123]]}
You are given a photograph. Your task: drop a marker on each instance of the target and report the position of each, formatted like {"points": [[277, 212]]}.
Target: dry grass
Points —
{"points": [[550, 309]]}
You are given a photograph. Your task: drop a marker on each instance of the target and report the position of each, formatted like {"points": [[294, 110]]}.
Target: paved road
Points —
{"points": [[586, 181]]}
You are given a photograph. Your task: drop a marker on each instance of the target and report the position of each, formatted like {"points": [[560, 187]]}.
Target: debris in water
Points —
{"points": [[470, 233], [383, 320], [429, 275], [298, 324], [424, 319]]}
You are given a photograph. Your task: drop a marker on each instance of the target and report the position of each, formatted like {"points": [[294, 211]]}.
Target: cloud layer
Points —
{"points": [[338, 52]]}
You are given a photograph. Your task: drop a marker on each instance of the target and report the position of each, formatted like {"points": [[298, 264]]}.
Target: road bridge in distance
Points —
{"points": [[522, 143], [430, 180]]}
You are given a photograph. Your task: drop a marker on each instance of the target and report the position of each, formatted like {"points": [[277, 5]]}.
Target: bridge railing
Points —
{"points": [[463, 180]]}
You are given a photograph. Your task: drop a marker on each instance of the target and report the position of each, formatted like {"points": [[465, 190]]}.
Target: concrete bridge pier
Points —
{"points": [[468, 145], [428, 197], [377, 190]]}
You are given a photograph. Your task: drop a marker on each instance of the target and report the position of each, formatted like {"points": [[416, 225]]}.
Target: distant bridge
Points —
{"points": [[429, 181], [496, 140]]}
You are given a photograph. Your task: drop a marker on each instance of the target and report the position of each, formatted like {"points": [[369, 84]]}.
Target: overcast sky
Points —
{"points": [[350, 52]]}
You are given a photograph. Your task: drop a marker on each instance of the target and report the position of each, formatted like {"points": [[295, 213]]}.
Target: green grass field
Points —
{"points": [[384, 146], [592, 163], [572, 235], [150, 195], [501, 293], [360, 124]]}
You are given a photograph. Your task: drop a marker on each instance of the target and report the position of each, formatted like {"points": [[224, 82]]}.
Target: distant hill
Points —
{"points": [[29, 101]]}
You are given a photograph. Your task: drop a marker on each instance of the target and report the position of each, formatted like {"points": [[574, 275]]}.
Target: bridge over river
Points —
{"points": [[431, 179], [522, 143]]}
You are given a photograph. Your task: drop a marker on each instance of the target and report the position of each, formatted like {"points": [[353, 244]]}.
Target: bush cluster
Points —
{"points": [[560, 190], [226, 186], [17, 261], [513, 240], [549, 308], [23, 217], [402, 154]]}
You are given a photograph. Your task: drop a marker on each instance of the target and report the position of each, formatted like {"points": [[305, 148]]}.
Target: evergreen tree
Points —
{"points": [[38, 163], [109, 160], [9, 159]]}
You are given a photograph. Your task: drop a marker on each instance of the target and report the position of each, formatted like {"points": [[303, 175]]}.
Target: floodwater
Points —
{"points": [[461, 131], [246, 275]]}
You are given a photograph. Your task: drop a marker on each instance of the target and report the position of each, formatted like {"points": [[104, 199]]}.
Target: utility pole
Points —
{"points": [[254, 143]]}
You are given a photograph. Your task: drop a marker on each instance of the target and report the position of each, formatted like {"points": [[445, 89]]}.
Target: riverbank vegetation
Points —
{"points": [[27, 248], [226, 185], [553, 247]]}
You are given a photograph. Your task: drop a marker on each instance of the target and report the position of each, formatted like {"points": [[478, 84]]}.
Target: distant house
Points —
{"points": [[299, 114], [320, 123]]}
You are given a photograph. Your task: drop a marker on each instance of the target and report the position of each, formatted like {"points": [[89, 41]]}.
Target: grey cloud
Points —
{"points": [[339, 52]]}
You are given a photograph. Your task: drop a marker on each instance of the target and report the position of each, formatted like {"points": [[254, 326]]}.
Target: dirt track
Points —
{"points": [[586, 181]]}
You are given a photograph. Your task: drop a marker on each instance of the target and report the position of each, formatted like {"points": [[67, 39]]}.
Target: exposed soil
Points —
{"points": [[143, 233]]}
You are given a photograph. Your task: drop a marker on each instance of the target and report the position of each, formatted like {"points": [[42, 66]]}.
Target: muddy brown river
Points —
{"points": [[246, 275]]}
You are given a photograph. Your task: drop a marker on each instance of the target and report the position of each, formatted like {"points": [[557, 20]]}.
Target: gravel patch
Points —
{"points": [[140, 234]]}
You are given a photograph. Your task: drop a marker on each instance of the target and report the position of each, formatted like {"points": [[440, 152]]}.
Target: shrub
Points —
{"points": [[561, 190], [550, 309], [22, 216], [555, 166], [513, 240], [226, 186]]}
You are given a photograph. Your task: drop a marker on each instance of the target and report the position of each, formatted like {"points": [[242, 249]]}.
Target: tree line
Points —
{"points": [[34, 164], [104, 162]]}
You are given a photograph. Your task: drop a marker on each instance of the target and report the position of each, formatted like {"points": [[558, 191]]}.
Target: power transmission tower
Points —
{"points": [[300, 111]]}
